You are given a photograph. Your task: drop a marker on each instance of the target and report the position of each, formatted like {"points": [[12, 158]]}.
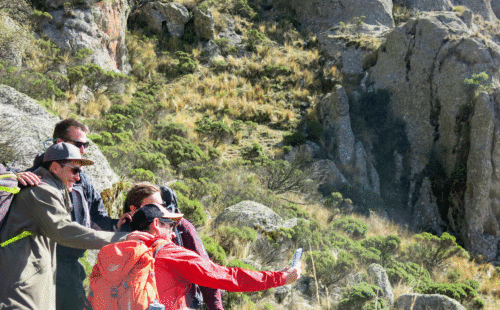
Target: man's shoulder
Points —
{"points": [[175, 252]]}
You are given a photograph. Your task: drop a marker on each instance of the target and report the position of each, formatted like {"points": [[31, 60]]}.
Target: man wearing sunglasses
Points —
{"points": [[186, 236], [38, 218], [177, 267], [88, 210]]}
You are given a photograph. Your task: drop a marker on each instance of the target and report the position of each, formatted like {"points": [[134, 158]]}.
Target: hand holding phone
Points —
{"points": [[297, 257]]}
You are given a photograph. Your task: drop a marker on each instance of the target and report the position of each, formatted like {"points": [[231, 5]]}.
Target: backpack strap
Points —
{"points": [[22, 235], [158, 247]]}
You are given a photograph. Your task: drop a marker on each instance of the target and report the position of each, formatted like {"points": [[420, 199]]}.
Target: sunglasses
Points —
{"points": [[170, 222], [79, 144], [74, 170]]}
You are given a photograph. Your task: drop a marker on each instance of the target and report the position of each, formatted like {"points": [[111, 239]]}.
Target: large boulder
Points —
{"points": [[25, 127], [424, 302], [379, 277], [251, 214], [452, 131], [204, 24], [320, 15], [98, 26]]}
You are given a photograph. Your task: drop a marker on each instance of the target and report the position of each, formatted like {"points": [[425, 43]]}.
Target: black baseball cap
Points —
{"points": [[146, 215]]}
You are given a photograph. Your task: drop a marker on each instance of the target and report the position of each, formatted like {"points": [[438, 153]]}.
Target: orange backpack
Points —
{"points": [[123, 277]]}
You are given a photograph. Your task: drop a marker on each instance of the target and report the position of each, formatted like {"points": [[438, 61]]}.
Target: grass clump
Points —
{"points": [[355, 228]]}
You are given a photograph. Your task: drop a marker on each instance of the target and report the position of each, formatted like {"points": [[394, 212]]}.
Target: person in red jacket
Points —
{"points": [[176, 267]]}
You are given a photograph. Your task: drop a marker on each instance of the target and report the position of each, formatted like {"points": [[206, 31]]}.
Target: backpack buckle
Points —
{"points": [[114, 291]]}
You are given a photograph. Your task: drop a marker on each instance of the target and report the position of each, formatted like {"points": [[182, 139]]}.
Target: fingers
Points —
{"points": [[123, 219], [293, 274], [28, 178]]}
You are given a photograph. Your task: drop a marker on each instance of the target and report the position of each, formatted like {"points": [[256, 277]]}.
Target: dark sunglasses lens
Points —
{"points": [[76, 170], [80, 144]]}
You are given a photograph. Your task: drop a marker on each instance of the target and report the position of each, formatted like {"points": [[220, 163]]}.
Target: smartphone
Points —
{"points": [[296, 257]]}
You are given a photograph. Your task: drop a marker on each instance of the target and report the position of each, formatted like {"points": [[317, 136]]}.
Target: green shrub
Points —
{"points": [[186, 64], [462, 292], [215, 131], [239, 264], [365, 255], [282, 176], [386, 246], [334, 200], [254, 38], [165, 130], [192, 210], [314, 130], [253, 153], [93, 76], [309, 232], [355, 228], [233, 236], [242, 8], [432, 251], [360, 296], [295, 139], [410, 273], [214, 250], [152, 161], [143, 175], [179, 150], [328, 269]]}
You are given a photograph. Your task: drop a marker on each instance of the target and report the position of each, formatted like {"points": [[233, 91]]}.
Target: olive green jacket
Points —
{"points": [[27, 266]]}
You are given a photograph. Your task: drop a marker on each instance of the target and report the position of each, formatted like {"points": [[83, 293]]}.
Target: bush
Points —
{"points": [[214, 250], [282, 176], [410, 273], [360, 296], [165, 130], [254, 153], [239, 264], [432, 251], [309, 232], [143, 175], [192, 210], [232, 238], [295, 139], [386, 245], [93, 76], [328, 269], [355, 228], [462, 292], [179, 150], [254, 38], [216, 131]]}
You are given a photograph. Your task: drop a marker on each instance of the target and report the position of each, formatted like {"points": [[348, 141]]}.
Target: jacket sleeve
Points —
{"points": [[204, 272], [44, 204], [98, 213], [190, 240]]}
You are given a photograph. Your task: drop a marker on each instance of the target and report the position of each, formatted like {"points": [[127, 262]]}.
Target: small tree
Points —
{"points": [[216, 131]]}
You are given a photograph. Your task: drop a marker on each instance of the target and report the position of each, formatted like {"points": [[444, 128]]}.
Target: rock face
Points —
{"points": [[320, 15], [99, 26], [26, 125], [163, 17], [426, 5], [451, 131], [423, 302], [481, 7], [350, 156]]}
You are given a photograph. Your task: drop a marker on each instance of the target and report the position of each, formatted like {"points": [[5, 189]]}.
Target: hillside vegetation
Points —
{"points": [[218, 130]]}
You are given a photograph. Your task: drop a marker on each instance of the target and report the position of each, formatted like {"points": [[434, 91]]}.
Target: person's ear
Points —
{"points": [[155, 225], [133, 209], [59, 140]]}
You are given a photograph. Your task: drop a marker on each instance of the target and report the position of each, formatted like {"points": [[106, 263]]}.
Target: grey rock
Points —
{"points": [[495, 6], [151, 14], [424, 302], [430, 5], [29, 125], [282, 292], [60, 3], [251, 214], [204, 24], [320, 15], [334, 115], [365, 173], [379, 277], [425, 75], [481, 7], [426, 215], [229, 33], [176, 17], [325, 172], [99, 26]]}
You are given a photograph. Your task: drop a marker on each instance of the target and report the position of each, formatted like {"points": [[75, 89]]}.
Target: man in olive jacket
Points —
{"points": [[38, 218]]}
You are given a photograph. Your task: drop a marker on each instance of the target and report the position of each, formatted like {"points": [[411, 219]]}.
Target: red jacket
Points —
{"points": [[177, 267]]}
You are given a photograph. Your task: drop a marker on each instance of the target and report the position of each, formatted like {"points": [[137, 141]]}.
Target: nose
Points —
{"points": [[77, 176], [82, 149]]}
